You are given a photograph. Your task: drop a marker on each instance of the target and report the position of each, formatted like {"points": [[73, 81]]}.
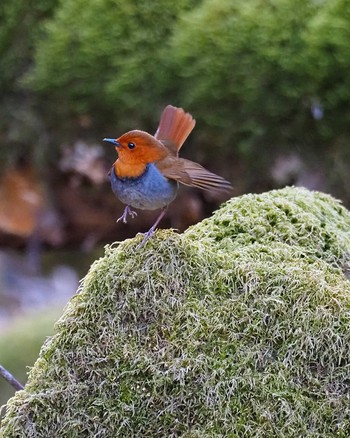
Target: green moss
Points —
{"points": [[238, 327]]}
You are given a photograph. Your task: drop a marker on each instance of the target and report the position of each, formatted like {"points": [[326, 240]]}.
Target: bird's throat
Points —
{"points": [[127, 170]]}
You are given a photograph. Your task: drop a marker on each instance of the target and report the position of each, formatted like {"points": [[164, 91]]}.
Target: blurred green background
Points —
{"points": [[20, 345], [267, 81]]}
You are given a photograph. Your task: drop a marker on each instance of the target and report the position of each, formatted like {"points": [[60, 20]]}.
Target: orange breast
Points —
{"points": [[128, 170]]}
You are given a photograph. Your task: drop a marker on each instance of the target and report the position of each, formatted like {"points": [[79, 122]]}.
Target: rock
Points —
{"points": [[238, 327]]}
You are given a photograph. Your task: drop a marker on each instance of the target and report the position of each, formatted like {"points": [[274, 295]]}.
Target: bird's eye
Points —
{"points": [[131, 145]]}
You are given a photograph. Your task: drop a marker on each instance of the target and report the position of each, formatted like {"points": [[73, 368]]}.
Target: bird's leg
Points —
{"points": [[127, 210], [150, 232]]}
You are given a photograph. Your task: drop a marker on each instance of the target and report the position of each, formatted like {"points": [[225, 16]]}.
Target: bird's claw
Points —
{"points": [[151, 231], [124, 216], [146, 236]]}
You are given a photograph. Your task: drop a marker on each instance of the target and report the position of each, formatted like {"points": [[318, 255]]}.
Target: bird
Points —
{"points": [[148, 170]]}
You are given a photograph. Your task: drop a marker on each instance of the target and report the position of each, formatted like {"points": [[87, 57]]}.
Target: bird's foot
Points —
{"points": [[124, 216], [146, 236], [151, 231]]}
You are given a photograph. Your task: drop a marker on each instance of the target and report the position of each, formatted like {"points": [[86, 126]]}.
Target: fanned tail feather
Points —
{"points": [[174, 127]]}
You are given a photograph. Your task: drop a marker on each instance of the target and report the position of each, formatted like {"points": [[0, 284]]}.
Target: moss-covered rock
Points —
{"points": [[238, 327]]}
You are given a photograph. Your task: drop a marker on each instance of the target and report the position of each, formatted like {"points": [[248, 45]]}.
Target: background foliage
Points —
{"points": [[263, 78], [20, 26]]}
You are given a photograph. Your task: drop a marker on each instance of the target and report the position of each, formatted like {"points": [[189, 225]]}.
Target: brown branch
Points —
{"points": [[9, 377]]}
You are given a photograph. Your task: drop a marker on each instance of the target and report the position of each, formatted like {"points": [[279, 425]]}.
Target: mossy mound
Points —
{"points": [[238, 327]]}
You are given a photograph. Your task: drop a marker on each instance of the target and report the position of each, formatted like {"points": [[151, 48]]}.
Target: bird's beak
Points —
{"points": [[112, 140]]}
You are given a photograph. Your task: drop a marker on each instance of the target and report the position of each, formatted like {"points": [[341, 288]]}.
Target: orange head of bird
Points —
{"points": [[138, 147]]}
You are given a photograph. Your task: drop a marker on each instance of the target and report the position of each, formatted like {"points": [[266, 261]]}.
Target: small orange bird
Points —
{"points": [[148, 169]]}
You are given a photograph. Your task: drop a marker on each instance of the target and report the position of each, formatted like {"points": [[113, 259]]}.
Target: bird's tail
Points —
{"points": [[174, 127]]}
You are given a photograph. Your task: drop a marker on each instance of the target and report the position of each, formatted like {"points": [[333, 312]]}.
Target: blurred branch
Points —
{"points": [[9, 377]]}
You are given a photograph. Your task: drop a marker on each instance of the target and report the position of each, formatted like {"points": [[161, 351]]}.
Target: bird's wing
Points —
{"points": [[192, 174], [174, 127]]}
